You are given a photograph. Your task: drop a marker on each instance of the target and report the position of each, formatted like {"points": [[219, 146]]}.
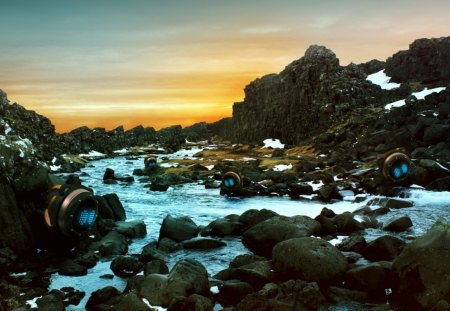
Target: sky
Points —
{"points": [[105, 63]]}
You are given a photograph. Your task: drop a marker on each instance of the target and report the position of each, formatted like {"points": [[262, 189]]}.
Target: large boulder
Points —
{"points": [[423, 269], [15, 232], [187, 277], [126, 266], [178, 228], [309, 259], [261, 238]]}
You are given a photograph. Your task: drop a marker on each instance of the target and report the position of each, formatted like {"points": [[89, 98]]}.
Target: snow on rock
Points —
{"points": [[282, 167], [121, 151], [92, 154], [419, 95], [272, 143], [380, 78]]}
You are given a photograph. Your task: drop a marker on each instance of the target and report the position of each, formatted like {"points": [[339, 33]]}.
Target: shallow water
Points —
{"points": [[205, 205]]}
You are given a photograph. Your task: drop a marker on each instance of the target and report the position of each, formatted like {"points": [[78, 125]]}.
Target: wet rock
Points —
{"points": [[192, 303], [373, 278], [345, 295], [132, 229], [232, 292], [161, 187], [353, 243], [435, 169], [441, 184], [329, 192], [261, 238], [72, 268], [296, 190], [298, 258], [151, 252], [227, 226], [346, 224], [422, 268], [126, 266], [257, 274], [397, 204], [112, 244], [291, 295], [202, 243], [252, 217], [168, 245], [187, 277], [245, 259], [7, 260], [51, 302], [178, 228], [398, 224], [110, 175], [436, 133], [116, 206], [384, 248], [132, 302], [103, 298], [156, 266]]}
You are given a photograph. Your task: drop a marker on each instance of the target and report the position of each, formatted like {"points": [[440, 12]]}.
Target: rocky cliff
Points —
{"points": [[308, 95], [427, 61]]}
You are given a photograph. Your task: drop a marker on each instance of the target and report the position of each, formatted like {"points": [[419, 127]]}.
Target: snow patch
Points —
{"points": [[121, 151], [92, 154], [380, 78], [32, 302], [158, 308], [168, 165], [337, 240], [55, 168], [272, 143], [419, 95], [209, 167], [282, 167], [214, 289]]}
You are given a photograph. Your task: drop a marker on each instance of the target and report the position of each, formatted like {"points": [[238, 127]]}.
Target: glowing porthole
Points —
{"points": [[70, 208], [231, 180], [150, 162], [396, 167]]}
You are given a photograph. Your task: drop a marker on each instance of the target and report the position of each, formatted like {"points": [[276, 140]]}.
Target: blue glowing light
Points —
{"points": [[229, 182], [151, 164], [405, 168], [86, 218], [397, 172]]}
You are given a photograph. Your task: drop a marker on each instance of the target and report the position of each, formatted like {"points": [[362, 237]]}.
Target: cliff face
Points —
{"points": [[426, 61], [307, 96]]}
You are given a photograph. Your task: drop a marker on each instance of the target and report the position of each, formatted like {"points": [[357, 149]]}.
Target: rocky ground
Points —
{"points": [[350, 131]]}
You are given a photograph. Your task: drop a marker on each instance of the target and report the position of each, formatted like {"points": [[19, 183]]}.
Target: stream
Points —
{"points": [[205, 205]]}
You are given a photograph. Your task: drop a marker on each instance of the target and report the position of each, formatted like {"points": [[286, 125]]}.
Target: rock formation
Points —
{"points": [[426, 61], [309, 95]]}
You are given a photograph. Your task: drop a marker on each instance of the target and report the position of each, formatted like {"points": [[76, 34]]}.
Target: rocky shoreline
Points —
{"points": [[339, 141]]}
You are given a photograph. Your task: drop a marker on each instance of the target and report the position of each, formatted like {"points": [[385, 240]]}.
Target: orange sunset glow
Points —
{"points": [[109, 63]]}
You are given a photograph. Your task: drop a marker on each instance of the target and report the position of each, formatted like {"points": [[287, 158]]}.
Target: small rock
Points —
{"points": [[178, 228], [156, 266], [126, 266], [202, 243], [399, 224], [384, 248], [232, 292]]}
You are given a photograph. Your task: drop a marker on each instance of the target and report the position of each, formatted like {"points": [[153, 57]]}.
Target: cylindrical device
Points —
{"points": [[70, 208], [150, 162], [395, 167], [231, 181]]}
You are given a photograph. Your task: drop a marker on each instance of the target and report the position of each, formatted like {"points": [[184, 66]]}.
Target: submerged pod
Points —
{"points": [[150, 162], [396, 167], [70, 208], [231, 181]]}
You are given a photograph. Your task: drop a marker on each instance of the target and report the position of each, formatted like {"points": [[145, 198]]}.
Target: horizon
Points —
{"points": [[110, 63]]}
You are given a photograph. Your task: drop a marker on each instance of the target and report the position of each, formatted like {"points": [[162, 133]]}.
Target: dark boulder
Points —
{"points": [[257, 274], [422, 269], [373, 278], [261, 238], [309, 259], [399, 224], [132, 229], [178, 228], [72, 268], [383, 248], [126, 266], [252, 217], [103, 297], [232, 292], [113, 243], [156, 266], [291, 295], [192, 303], [202, 243]]}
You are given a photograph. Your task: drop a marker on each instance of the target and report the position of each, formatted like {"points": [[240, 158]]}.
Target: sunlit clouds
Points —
{"points": [[109, 63]]}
